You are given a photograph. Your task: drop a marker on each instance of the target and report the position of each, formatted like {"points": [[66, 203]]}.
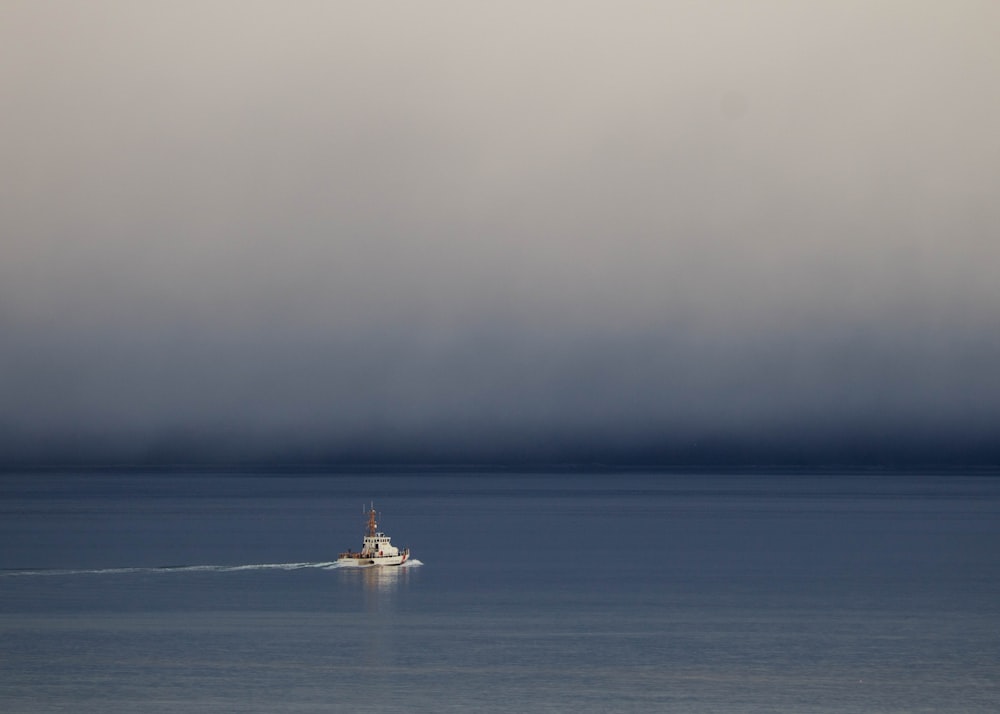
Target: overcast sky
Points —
{"points": [[424, 229]]}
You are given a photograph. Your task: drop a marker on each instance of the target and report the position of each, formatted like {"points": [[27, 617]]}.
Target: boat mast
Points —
{"points": [[372, 525]]}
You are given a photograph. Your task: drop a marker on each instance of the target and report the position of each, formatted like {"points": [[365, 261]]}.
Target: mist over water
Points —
{"points": [[679, 230]]}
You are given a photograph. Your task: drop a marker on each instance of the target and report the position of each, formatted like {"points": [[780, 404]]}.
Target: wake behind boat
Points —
{"points": [[376, 549]]}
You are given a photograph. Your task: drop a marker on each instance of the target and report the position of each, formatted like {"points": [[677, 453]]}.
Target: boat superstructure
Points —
{"points": [[377, 548]]}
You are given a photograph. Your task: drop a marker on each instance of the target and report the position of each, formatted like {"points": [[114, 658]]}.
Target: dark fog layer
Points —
{"points": [[631, 232]]}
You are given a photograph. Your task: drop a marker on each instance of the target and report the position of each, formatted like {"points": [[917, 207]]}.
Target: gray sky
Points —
{"points": [[322, 227]]}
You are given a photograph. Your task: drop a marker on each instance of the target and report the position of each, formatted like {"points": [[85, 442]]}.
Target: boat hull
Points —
{"points": [[355, 560]]}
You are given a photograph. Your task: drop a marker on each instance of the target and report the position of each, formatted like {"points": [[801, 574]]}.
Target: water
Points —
{"points": [[759, 592]]}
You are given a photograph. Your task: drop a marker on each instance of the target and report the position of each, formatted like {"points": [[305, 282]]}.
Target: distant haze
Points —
{"points": [[553, 230]]}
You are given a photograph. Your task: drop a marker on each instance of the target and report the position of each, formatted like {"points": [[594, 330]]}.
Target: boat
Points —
{"points": [[376, 549]]}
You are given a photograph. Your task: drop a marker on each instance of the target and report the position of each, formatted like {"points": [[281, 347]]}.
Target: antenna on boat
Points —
{"points": [[372, 525]]}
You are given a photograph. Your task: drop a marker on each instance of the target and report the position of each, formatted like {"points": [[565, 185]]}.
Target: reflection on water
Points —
{"points": [[380, 579], [383, 578], [380, 586]]}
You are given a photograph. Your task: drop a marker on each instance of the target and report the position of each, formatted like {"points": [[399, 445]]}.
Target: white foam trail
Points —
{"points": [[324, 565], [171, 569]]}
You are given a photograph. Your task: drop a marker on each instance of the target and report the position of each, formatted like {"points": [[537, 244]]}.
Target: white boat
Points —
{"points": [[376, 550]]}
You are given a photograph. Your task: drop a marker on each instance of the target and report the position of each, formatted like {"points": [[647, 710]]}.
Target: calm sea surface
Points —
{"points": [[795, 592]]}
